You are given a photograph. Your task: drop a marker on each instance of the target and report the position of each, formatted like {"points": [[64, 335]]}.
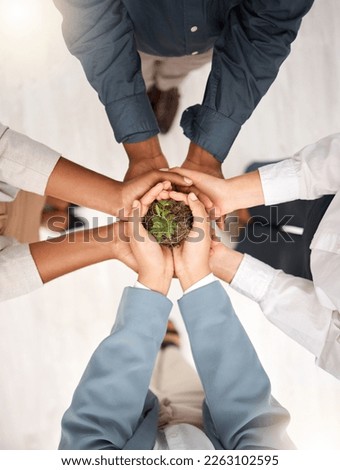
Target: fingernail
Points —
{"points": [[187, 180], [135, 204], [193, 196], [164, 169]]}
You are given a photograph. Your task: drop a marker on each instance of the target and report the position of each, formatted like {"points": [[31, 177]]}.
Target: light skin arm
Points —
{"points": [[226, 195], [155, 263], [242, 413], [223, 261]]}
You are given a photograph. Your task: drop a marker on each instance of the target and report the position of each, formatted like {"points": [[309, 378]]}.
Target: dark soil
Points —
{"points": [[168, 221]]}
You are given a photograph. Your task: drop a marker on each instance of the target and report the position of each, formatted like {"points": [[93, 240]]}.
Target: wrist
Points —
{"points": [[147, 149], [105, 240], [227, 265], [246, 190], [198, 156], [188, 278], [156, 283]]}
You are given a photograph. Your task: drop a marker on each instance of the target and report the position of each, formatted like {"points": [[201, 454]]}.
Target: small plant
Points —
{"points": [[168, 221]]}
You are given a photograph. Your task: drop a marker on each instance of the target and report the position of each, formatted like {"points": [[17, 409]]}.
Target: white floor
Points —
{"points": [[48, 336]]}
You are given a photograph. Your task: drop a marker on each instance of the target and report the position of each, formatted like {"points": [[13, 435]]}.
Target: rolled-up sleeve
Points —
{"points": [[18, 272], [247, 56], [100, 34], [24, 163]]}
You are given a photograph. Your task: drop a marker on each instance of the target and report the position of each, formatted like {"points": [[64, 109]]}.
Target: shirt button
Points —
{"points": [[194, 53], [193, 29]]}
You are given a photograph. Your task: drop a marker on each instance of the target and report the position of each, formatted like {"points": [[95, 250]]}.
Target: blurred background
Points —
{"points": [[48, 336]]}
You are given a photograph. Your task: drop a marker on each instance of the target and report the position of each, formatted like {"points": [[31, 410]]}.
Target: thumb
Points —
{"points": [[196, 206]]}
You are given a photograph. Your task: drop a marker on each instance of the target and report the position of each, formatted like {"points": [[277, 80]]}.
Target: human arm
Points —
{"points": [[247, 56], [25, 268], [311, 173], [109, 400], [244, 415], [32, 166], [237, 389], [101, 35], [289, 302]]}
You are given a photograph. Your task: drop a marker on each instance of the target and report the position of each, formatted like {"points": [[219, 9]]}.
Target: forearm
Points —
{"points": [[245, 191], [225, 264], [90, 30], [62, 255], [110, 397], [237, 388], [74, 183]]}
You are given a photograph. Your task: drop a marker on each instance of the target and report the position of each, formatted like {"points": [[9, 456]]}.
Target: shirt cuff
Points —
{"points": [[202, 282], [210, 130], [280, 182], [132, 119], [253, 278], [19, 271], [139, 285], [25, 163]]}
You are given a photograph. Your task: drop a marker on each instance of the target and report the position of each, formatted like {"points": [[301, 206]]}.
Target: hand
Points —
{"points": [[155, 263], [121, 249], [201, 160], [211, 191], [134, 189], [191, 258], [144, 157], [138, 167], [226, 195], [223, 261]]}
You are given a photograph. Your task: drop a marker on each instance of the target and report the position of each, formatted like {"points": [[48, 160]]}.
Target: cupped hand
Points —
{"points": [[135, 188], [155, 262], [191, 258], [210, 190]]}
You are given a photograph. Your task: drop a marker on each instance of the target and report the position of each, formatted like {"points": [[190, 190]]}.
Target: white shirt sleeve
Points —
{"points": [[24, 163], [202, 282], [309, 174], [291, 303], [18, 272]]}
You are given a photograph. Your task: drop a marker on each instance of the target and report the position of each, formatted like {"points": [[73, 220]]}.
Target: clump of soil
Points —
{"points": [[168, 221]]}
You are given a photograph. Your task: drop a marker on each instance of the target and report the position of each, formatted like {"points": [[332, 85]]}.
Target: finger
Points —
{"points": [[180, 197], [150, 196], [166, 185], [208, 204], [196, 206], [174, 178], [134, 225], [200, 217], [193, 175], [163, 195], [221, 223]]}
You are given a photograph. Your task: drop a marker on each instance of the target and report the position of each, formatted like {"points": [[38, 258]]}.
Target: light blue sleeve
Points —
{"points": [[110, 397], [237, 389]]}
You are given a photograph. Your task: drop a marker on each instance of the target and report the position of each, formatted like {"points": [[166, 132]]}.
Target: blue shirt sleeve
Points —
{"points": [[110, 397], [100, 34], [237, 389], [255, 40]]}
